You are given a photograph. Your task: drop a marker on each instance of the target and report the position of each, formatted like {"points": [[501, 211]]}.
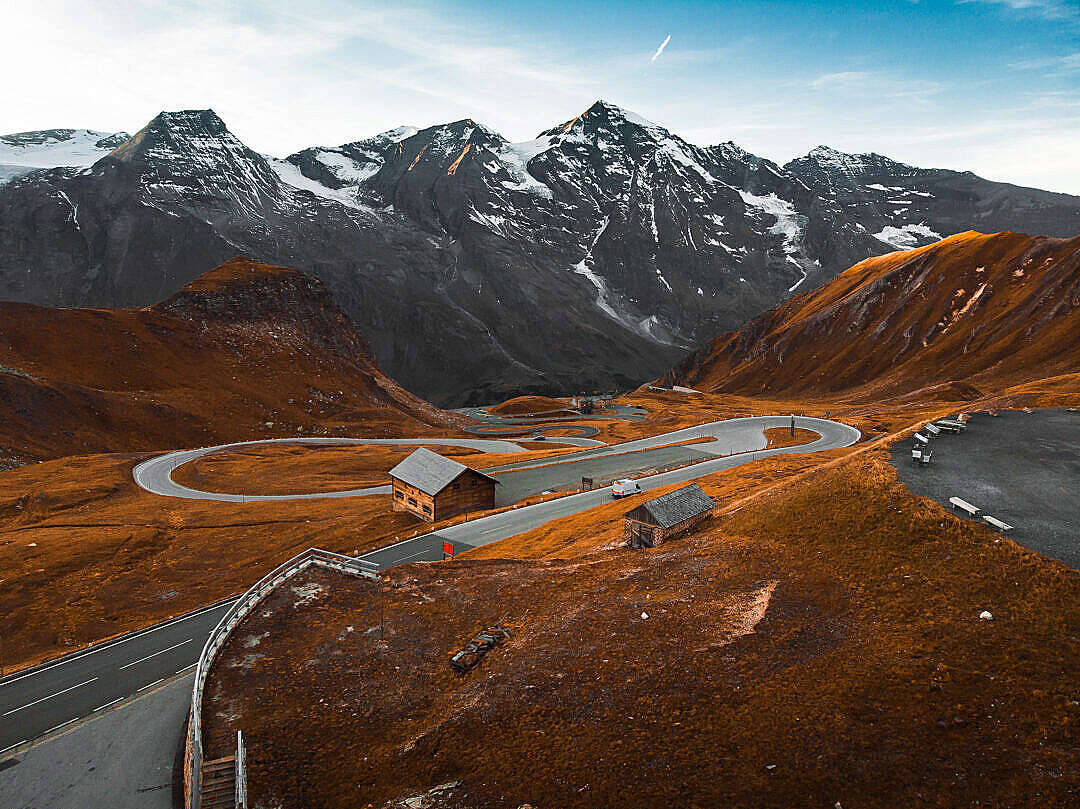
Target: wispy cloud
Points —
{"points": [[1049, 9], [876, 86], [660, 50], [845, 78], [1054, 65]]}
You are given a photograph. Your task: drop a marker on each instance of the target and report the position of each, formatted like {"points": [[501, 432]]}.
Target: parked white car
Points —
{"points": [[625, 487]]}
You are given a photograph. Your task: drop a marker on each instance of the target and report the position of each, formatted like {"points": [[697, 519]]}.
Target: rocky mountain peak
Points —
{"points": [[172, 134], [603, 117], [845, 166], [190, 155]]}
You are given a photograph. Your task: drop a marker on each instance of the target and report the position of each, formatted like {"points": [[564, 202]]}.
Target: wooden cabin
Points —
{"points": [[665, 517], [433, 487]]}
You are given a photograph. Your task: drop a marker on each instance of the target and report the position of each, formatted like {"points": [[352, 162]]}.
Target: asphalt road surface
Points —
{"points": [[155, 475], [1023, 468], [122, 759], [37, 701]]}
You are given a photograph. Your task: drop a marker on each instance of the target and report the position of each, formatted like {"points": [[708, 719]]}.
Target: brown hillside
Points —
{"points": [[529, 404], [244, 345], [981, 311], [819, 646]]}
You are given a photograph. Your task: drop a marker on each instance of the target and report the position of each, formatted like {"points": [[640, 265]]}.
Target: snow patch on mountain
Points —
{"points": [[9, 173], [582, 268], [345, 168], [649, 326], [907, 236], [789, 224], [51, 148], [290, 175], [515, 158]]}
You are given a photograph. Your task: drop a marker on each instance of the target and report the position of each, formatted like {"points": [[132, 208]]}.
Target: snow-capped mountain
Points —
{"points": [[672, 238], [906, 206], [25, 151], [593, 256]]}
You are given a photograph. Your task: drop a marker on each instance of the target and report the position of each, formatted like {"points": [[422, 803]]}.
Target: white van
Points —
{"points": [[625, 488]]}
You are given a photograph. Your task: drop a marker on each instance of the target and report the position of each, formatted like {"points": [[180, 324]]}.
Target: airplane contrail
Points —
{"points": [[660, 50]]}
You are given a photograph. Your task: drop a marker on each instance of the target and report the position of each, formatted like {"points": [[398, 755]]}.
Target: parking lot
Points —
{"points": [[1023, 468]]}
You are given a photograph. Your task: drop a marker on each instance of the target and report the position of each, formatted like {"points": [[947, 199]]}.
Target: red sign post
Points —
{"points": [[448, 549]]}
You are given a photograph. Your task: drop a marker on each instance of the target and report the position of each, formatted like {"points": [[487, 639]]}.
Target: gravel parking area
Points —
{"points": [[1021, 467]]}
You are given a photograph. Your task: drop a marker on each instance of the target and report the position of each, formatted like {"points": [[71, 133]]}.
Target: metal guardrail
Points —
{"points": [[193, 754]]}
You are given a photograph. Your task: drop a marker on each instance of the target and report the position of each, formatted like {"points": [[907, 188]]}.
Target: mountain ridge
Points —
{"points": [[460, 255]]}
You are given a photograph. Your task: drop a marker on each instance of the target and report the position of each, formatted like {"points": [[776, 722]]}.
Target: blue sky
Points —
{"points": [[987, 85]]}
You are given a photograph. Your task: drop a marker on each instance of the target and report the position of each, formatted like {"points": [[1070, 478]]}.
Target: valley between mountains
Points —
{"points": [[819, 639]]}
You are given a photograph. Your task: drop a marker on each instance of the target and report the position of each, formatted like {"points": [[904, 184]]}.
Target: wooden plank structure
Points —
{"points": [[433, 487], [665, 517], [219, 783]]}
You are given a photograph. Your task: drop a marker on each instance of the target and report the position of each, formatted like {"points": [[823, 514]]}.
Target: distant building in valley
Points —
{"points": [[670, 515], [433, 487]]}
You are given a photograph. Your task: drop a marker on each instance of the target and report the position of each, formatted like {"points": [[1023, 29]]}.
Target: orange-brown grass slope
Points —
{"points": [[298, 468], [820, 647], [529, 404], [86, 554], [980, 312], [244, 345], [601, 528], [784, 437]]}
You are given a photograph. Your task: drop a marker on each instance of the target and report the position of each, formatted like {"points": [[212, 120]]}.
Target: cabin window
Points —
{"points": [[427, 509], [399, 495], [456, 486], [472, 482], [412, 501]]}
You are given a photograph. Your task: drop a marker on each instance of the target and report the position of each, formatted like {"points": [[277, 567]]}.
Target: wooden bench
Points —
{"points": [[925, 459], [964, 505], [952, 425], [921, 439], [916, 455], [1003, 527], [933, 429]]}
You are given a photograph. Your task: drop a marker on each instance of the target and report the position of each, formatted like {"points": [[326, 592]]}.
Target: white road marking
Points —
{"points": [[61, 725], [187, 668], [149, 685], [155, 654], [12, 747], [58, 693], [107, 704], [110, 644], [411, 555]]}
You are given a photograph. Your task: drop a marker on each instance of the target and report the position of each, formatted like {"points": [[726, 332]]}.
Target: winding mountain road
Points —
{"points": [[36, 701], [155, 475]]}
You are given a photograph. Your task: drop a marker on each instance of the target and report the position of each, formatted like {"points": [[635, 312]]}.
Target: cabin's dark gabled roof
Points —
{"points": [[675, 507], [430, 472]]}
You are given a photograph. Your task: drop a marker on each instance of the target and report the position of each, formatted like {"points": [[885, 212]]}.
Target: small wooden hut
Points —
{"points": [[433, 487], [670, 515]]}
